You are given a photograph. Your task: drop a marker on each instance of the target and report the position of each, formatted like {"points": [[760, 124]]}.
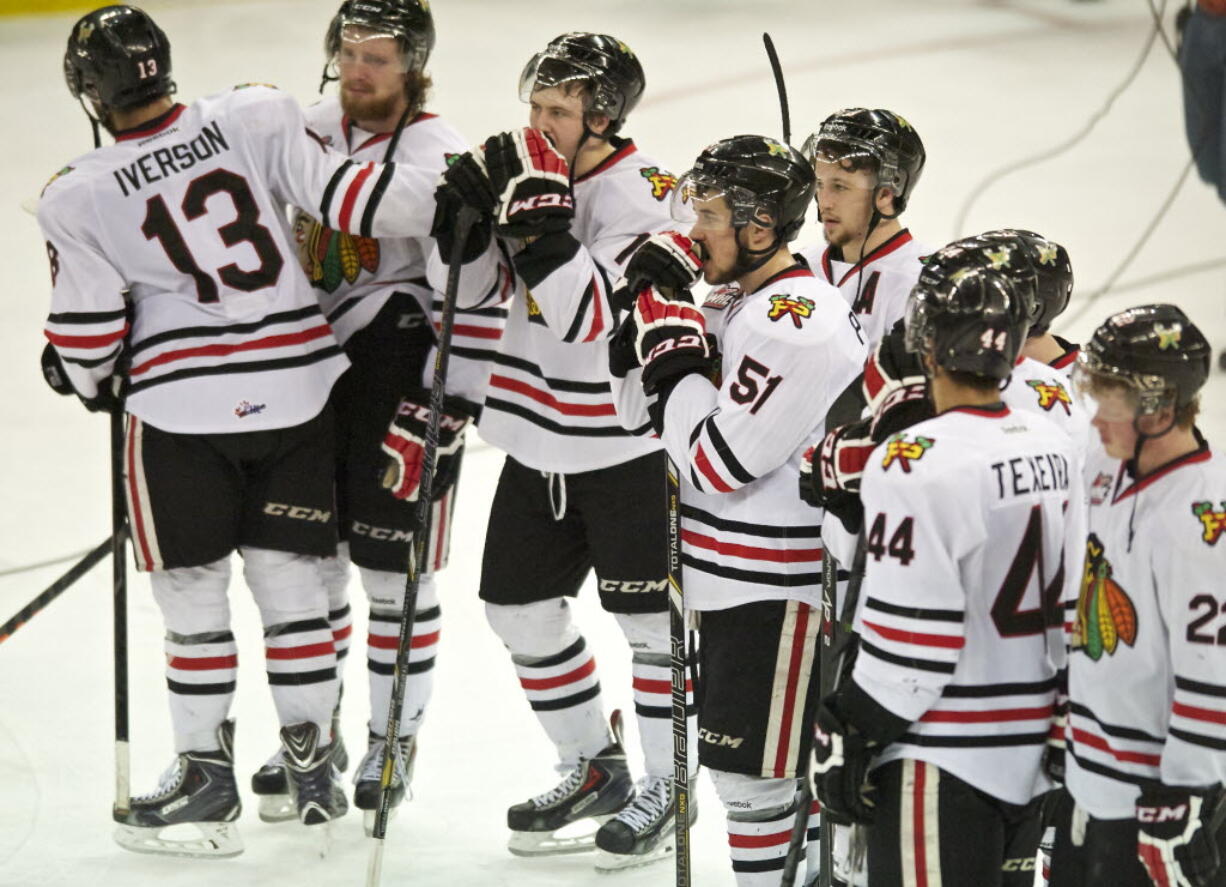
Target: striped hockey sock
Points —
{"points": [[301, 660], [381, 645], [564, 691], [200, 673]]}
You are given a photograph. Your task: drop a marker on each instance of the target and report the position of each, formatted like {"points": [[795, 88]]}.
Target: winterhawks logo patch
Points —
{"points": [[662, 183], [900, 451], [1100, 489], [332, 257], [63, 172], [1213, 522], [1105, 614], [1050, 394], [247, 408], [798, 308]]}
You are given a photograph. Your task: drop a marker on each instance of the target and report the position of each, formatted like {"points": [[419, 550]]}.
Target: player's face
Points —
{"points": [[713, 230], [558, 114], [1115, 421], [845, 200], [372, 71]]}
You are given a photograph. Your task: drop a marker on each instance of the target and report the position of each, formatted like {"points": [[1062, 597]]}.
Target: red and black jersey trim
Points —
{"points": [[1077, 708], [762, 530], [585, 303], [253, 366], [906, 661], [623, 148], [987, 691], [203, 332], [522, 412], [1199, 687], [779, 580], [1104, 770], [325, 205], [518, 363], [150, 127], [86, 316], [797, 269], [1200, 454], [832, 253], [724, 451], [962, 740], [366, 228], [1198, 739], [934, 615], [90, 364]]}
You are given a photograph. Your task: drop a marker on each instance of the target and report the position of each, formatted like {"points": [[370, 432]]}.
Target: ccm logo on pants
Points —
{"points": [[629, 586], [297, 512], [381, 534]]}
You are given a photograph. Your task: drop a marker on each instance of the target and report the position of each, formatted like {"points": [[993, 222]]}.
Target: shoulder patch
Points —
{"points": [[721, 298], [796, 308], [1105, 613], [1050, 394], [662, 183], [239, 86], [902, 452], [1101, 488], [63, 172], [1213, 523]]}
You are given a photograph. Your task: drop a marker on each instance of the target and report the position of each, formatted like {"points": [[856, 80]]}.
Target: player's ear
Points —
{"points": [[884, 200], [597, 123]]}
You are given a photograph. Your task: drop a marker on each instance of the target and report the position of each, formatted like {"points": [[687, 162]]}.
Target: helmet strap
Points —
{"points": [[750, 260]]}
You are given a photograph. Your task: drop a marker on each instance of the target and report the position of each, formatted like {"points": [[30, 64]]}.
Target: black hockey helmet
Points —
{"points": [[763, 181], [409, 21], [879, 140], [1005, 255], [969, 316], [1155, 350], [606, 66], [1053, 273], [118, 58]]}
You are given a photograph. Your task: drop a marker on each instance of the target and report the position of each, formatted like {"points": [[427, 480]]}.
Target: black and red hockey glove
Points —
{"points": [[405, 443], [830, 472], [894, 378], [1178, 831], [532, 183], [671, 338], [668, 259]]}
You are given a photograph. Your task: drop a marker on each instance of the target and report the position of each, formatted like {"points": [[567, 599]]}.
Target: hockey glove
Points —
{"points": [[532, 181], [107, 400], [891, 368], [405, 443], [1054, 753], [830, 472], [667, 259], [1178, 833], [622, 354], [447, 204], [841, 758], [53, 371], [671, 342], [468, 182]]}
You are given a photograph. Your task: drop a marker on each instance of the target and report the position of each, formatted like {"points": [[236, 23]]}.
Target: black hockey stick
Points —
{"points": [[119, 579], [55, 589], [421, 533], [676, 634], [781, 86]]}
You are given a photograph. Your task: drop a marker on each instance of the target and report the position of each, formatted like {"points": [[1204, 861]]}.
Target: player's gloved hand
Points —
{"points": [[532, 181], [53, 371], [447, 205], [467, 181], [671, 341], [623, 357], [1177, 834], [842, 755], [108, 398], [830, 472], [891, 367], [405, 443], [668, 259]]}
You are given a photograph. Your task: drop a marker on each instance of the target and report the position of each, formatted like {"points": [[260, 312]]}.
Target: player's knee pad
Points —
{"points": [[385, 590], [334, 572], [753, 798], [533, 630], [647, 635], [287, 587], [194, 599]]}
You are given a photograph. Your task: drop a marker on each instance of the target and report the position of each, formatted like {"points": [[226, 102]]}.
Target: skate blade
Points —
{"points": [[369, 817], [575, 837], [609, 863], [277, 808], [215, 840]]}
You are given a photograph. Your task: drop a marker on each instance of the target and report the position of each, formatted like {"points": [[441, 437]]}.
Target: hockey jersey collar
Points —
{"points": [[150, 127], [623, 148], [1201, 454], [1070, 354], [989, 411], [347, 126], [833, 254], [797, 269]]}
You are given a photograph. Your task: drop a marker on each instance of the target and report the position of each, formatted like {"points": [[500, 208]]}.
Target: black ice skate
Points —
{"points": [[594, 790], [314, 782], [271, 785], [368, 777], [642, 831], [198, 790]]}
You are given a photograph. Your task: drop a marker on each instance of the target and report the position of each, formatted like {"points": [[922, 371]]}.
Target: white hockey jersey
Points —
{"points": [[877, 286], [786, 351], [185, 216], [1147, 672], [964, 517], [549, 403]]}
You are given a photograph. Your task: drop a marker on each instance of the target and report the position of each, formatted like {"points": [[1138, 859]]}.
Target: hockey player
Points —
{"points": [[952, 690], [569, 201], [375, 295], [172, 273], [1147, 672], [785, 345], [867, 165]]}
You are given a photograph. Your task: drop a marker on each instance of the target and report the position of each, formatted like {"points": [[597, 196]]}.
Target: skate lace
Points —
{"points": [[371, 768], [652, 801], [167, 782], [566, 787]]}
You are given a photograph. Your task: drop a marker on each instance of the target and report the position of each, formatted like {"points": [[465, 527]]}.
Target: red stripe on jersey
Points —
{"points": [[1065, 359], [546, 399], [597, 314], [138, 511], [917, 825], [708, 471], [751, 552], [343, 633], [1200, 454], [278, 341], [789, 703], [304, 651], [100, 341], [472, 331], [392, 642], [561, 680], [351, 196], [1128, 757], [759, 842], [203, 663], [644, 685], [1038, 713], [914, 637], [1200, 714]]}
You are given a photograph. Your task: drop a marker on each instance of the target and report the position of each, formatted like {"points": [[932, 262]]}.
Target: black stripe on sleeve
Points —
{"points": [[733, 526], [376, 195], [914, 612], [325, 205], [86, 316], [1111, 729], [493, 403], [906, 661], [624, 256], [781, 580], [90, 364], [989, 741], [585, 303], [735, 468], [1104, 770], [197, 332]]}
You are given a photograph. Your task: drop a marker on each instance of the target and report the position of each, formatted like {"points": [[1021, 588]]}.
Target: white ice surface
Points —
{"points": [[984, 83]]}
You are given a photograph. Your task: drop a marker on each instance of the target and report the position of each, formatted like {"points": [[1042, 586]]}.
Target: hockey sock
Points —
{"points": [[385, 591], [298, 647], [201, 656], [557, 672], [761, 813]]}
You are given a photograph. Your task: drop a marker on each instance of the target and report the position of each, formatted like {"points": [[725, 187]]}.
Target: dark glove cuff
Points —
{"points": [[544, 255], [867, 715]]}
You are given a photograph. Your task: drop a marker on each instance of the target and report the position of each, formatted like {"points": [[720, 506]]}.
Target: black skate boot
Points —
{"points": [[199, 790], [314, 782], [642, 831], [271, 785], [594, 790], [368, 777]]}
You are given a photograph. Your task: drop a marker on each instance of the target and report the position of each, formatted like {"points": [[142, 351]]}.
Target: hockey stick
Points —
{"points": [[676, 634], [55, 589], [779, 85], [417, 557], [119, 579]]}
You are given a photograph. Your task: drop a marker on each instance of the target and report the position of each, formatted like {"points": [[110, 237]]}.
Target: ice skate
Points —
{"points": [[368, 778], [642, 831], [198, 790], [594, 790], [270, 784], [314, 782]]}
